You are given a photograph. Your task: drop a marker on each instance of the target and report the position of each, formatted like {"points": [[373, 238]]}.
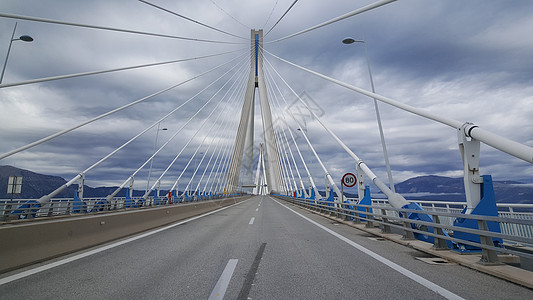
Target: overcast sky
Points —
{"points": [[465, 60]]}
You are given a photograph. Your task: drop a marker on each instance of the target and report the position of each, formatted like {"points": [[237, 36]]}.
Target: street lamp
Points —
{"points": [[152, 160], [24, 38], [349, 41]]}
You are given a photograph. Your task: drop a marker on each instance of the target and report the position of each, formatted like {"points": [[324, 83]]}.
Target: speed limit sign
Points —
{"points": [[349, 180]]}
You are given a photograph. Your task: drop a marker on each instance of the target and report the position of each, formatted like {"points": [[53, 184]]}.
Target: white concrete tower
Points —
{"points": [[243, 151]]}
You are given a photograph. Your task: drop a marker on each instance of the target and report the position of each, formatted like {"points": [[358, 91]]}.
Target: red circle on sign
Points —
{"points": [[349, 179]]}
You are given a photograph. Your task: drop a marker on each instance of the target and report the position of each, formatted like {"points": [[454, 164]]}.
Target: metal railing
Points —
{"points": [[388, 217], [30, 209], [505, 210]]}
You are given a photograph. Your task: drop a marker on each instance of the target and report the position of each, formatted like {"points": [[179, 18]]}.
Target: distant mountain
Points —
{"points": [[431, 187], [452, 189], [35, 185]]}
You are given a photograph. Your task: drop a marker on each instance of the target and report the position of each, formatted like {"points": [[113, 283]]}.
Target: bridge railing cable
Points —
{"points": [[327, 174], [340, 18], [394, 198], [62, 132], [42, 20], [191, 20], [272, 83], [175, 185], [310, 177], [508, 146], [74, 75], [293, 160], [201, 125], [132, 176], [283, 144], [282, 16], [229, 15], [218, 135], [286, 162], [221, 155], [47, 198], [220, 113], [270, 14]]}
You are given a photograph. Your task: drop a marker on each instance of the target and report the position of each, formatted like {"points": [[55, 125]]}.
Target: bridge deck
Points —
{"points": [[278, 255]]}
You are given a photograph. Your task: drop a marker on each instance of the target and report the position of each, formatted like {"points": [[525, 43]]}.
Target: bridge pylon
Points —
{"points": [[242, 157]]}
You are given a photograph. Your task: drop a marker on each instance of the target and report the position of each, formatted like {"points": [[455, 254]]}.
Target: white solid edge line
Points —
{"points": [[222, 284], [98, 250], [417, 278], [252, 220]]}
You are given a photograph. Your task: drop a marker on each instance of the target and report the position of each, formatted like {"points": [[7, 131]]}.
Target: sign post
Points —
{"points": [[348, 180], [14, 186]]}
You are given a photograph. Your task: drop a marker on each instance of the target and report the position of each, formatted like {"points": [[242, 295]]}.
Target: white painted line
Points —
{"points": [[222, 284], [252, 220], [417, 278], [257, 209], [98, 250]]}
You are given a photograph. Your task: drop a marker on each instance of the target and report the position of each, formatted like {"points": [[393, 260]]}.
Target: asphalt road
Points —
{"points": [[258, 249]]}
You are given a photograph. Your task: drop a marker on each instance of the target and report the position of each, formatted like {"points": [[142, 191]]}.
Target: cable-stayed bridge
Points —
{"points": [[242, 215]]}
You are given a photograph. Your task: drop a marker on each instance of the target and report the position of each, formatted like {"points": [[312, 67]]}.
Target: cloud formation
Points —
{"points": [[469, 61]]}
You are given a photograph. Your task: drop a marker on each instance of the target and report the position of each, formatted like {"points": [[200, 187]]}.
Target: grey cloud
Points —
{"points": [[464, 60]]}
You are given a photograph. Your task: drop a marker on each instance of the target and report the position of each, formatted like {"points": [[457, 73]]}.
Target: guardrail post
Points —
{"points": [[487, 256], [438, 244], [369, 223], [347, 212], [7, 210], [356, 216], [386, 228], [408, 234], [50, 209]]}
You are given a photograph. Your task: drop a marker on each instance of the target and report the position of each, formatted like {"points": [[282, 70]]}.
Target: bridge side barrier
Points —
{"points": [[505, 210], [352, 211], [30, 242], [11, 210]]}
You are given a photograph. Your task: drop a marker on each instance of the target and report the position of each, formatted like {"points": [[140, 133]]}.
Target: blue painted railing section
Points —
{"points": [[486, 207], [32, 209]]}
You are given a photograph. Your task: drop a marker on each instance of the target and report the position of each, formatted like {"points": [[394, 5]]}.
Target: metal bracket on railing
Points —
{"points": [[470, 151], [360, 181], [130, 190], [407, 234], [438, 244], [486, 207], [327, 186], [81, 183], [488, 257]]}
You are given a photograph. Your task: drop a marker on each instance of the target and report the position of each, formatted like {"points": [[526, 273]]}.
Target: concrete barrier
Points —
{"points": [[30, 242]]}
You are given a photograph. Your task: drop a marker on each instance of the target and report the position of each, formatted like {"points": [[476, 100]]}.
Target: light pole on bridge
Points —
{"points": [[152, 160], [24, 38], [349, 41]]}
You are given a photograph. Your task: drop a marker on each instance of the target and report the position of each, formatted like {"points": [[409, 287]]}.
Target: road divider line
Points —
{"points": [[248, 282], [103, 248], [257, 209], [417, 278], [252, 220], [222, 284]]}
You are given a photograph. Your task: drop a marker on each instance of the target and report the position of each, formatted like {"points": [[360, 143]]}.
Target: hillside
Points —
{"points": [[431, 187], [35, 185]]}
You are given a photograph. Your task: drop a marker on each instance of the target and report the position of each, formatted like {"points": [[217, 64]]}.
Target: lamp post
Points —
{"points": [[152, 160], [24, 38], [349, 41]]}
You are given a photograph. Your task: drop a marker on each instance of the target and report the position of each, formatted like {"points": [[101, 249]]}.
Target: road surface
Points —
{"points": [[261, 248]]}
